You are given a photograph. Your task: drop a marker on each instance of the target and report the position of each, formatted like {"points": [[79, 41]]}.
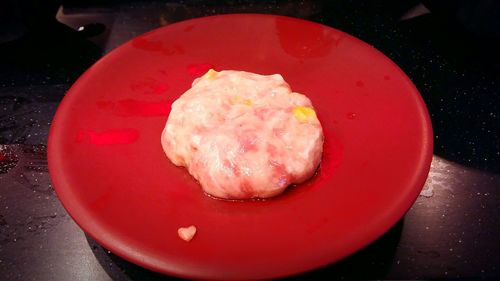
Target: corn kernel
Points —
{"points": [[210, 74], [240, 100], [304, 113]]}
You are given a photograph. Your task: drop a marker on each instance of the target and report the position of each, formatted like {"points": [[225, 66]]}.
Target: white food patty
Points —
{"points": [[243, 135]]}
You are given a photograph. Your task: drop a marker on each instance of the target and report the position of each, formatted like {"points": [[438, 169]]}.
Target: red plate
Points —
{"points": [[110, 172]]}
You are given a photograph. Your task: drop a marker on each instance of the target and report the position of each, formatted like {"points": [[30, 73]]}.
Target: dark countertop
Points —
{"points": [[452, 230]]}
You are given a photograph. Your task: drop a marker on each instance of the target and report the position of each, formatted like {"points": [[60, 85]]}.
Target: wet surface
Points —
{"points": [[451, 231]]}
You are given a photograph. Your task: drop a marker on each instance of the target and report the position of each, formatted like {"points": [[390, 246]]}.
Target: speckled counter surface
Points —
{"points": [[452, 230]]}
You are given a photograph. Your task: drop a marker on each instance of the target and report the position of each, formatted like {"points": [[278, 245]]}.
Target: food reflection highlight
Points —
{"points": [[108, 137]]}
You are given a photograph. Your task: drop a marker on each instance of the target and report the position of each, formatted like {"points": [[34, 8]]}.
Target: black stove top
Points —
{"points": [[450, 232]]}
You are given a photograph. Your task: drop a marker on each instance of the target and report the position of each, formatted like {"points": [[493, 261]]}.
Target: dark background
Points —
{"points": [[449, 49]]}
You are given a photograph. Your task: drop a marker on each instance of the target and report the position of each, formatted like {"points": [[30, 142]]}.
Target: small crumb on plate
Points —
{"points": [[187, 233]]}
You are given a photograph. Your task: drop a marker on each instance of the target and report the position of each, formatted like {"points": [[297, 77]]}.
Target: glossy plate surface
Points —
{"points": [[110, 172]]}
